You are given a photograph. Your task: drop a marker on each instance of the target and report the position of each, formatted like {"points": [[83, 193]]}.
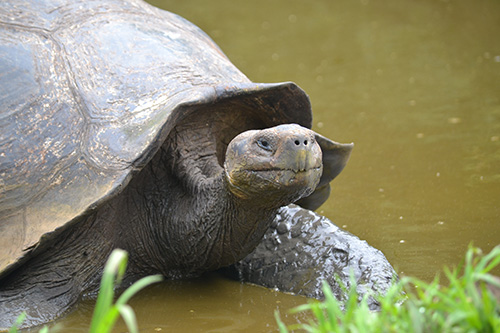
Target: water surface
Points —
{"points": [[415, 85]]}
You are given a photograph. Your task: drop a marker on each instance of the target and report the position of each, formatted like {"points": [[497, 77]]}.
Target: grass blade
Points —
{"points": [[105, 313], [281, 325], [136, 287], [128, 316], [112, 275]]}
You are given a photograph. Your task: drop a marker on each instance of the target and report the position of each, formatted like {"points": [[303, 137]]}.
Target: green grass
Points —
{"points": [[466, 304], [105, 312]]}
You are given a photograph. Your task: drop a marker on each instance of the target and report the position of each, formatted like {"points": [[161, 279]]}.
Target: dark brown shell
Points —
{"points": [[88, 92]]}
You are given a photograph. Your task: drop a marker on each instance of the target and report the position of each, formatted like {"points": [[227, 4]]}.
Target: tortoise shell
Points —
{"points": [[89, 92]]}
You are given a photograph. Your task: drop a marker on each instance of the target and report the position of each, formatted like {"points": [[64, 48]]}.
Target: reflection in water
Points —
{"points": [[415, 85]]}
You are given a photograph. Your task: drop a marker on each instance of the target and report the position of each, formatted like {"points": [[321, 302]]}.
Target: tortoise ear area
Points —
{"points": [[335, 157]]}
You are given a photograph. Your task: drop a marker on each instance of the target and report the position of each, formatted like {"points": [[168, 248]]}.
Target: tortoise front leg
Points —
{"points": [[302, 248]]}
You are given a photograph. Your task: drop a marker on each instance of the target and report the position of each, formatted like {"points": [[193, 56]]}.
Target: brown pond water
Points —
{"points": [[416, 86]]}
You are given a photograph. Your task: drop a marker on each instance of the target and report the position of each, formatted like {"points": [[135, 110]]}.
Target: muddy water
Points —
{"points": [[210, 304], [416, 86]]}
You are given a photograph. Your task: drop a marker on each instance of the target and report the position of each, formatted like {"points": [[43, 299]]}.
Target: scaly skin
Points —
{"points": [[180, 216]]}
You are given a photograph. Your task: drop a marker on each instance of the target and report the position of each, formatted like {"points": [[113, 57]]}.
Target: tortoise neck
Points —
{"points": [[244, 225], [187, 234]]}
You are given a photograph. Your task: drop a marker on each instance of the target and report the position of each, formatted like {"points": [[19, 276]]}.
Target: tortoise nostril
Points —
{"points": [[298, 142]]}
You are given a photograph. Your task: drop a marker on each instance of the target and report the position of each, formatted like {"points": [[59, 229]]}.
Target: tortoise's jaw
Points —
{"points": [[289, 177], [283, 185], [278, 165]]}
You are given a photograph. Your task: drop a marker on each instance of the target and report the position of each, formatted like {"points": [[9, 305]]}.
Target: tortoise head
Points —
{"points": [[275, 166]]}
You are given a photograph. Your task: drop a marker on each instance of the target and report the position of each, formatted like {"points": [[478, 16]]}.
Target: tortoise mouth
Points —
{"points": [[287, 176], [282, 184], [295, 170], [276, 179]]}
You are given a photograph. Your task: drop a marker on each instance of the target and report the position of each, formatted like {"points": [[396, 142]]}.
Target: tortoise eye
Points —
{"points": [[264, 144]]}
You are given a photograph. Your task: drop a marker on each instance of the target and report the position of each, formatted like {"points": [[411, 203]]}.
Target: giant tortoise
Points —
{"points": [[125, 126]]}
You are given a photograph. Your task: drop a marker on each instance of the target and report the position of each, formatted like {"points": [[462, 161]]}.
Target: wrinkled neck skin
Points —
{"points": [[185, 219], [207, 231]]}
